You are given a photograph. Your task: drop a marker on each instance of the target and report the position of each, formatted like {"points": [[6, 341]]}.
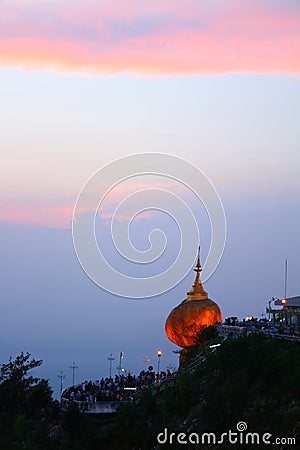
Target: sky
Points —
{"points": [[85, 83]]}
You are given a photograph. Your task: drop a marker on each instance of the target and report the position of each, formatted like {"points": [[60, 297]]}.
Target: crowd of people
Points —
{"points": [[120, 388], [253, 325]]}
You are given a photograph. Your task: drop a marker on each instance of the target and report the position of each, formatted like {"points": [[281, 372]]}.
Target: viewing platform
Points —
{"points": [[105, 407], [106, 395]]}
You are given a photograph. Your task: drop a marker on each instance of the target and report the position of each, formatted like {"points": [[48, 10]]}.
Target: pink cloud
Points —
{"points": [[51, 216], [58, 213], [110, 215], [47, 215], [155, 38]]}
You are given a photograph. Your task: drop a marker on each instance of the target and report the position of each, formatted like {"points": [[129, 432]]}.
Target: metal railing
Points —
{"points": [[90, 407]]}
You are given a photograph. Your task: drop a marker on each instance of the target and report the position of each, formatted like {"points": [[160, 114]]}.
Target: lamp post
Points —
{"points": [[120, 363], [159, 353], [269, 312], [110, 359], [73, 367], [285, 279], [61, 376]]}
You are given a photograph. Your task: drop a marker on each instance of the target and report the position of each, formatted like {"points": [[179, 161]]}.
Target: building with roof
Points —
{"points": [[286, 314]]}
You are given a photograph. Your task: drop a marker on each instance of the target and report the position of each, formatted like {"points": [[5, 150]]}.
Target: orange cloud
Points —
{"points": [[155, 38]]}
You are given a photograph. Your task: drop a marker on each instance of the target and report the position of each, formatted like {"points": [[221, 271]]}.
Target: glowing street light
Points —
{"points": [[159, 354], [120, 363]]}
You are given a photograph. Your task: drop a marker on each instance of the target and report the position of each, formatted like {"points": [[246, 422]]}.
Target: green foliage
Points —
{"points": [[18, 390], [148, 401], [253, 379], [72, 420], [20, 426], [208, 334], [248, 378], [39, 398], [26, 406]]}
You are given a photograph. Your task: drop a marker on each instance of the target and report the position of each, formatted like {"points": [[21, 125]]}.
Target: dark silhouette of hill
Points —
{"points": [[251, 379], [254, 380]]}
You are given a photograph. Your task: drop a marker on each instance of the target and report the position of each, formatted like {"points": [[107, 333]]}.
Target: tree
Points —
{"points": [[22, 392], [207, 334]]}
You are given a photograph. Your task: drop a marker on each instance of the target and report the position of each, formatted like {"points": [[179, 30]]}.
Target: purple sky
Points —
{"points": [[217, 85]]}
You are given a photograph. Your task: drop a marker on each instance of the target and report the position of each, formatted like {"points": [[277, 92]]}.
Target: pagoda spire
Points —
{"points": [[198, 268], [197, 292]]}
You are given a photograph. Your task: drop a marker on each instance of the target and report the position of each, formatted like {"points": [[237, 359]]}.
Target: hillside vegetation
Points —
{"points": [[249, 379]]}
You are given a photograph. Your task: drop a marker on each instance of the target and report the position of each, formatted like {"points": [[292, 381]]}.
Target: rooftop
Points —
{"points": [[291, 302]]}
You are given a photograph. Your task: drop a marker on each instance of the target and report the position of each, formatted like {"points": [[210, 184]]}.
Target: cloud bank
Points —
{"points": [[157, 38]]}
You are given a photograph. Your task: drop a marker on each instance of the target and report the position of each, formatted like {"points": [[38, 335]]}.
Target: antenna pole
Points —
{"points": [[285, 279], [61, 377]]}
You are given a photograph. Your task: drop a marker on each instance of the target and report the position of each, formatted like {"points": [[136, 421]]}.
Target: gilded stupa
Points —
{"points": [[192, 315]]}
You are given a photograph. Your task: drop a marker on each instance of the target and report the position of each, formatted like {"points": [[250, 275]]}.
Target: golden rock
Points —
{"points": [[193, 315]]}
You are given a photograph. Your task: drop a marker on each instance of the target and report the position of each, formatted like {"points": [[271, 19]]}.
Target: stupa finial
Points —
{"points": [[198, 268], [197, 291]]}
